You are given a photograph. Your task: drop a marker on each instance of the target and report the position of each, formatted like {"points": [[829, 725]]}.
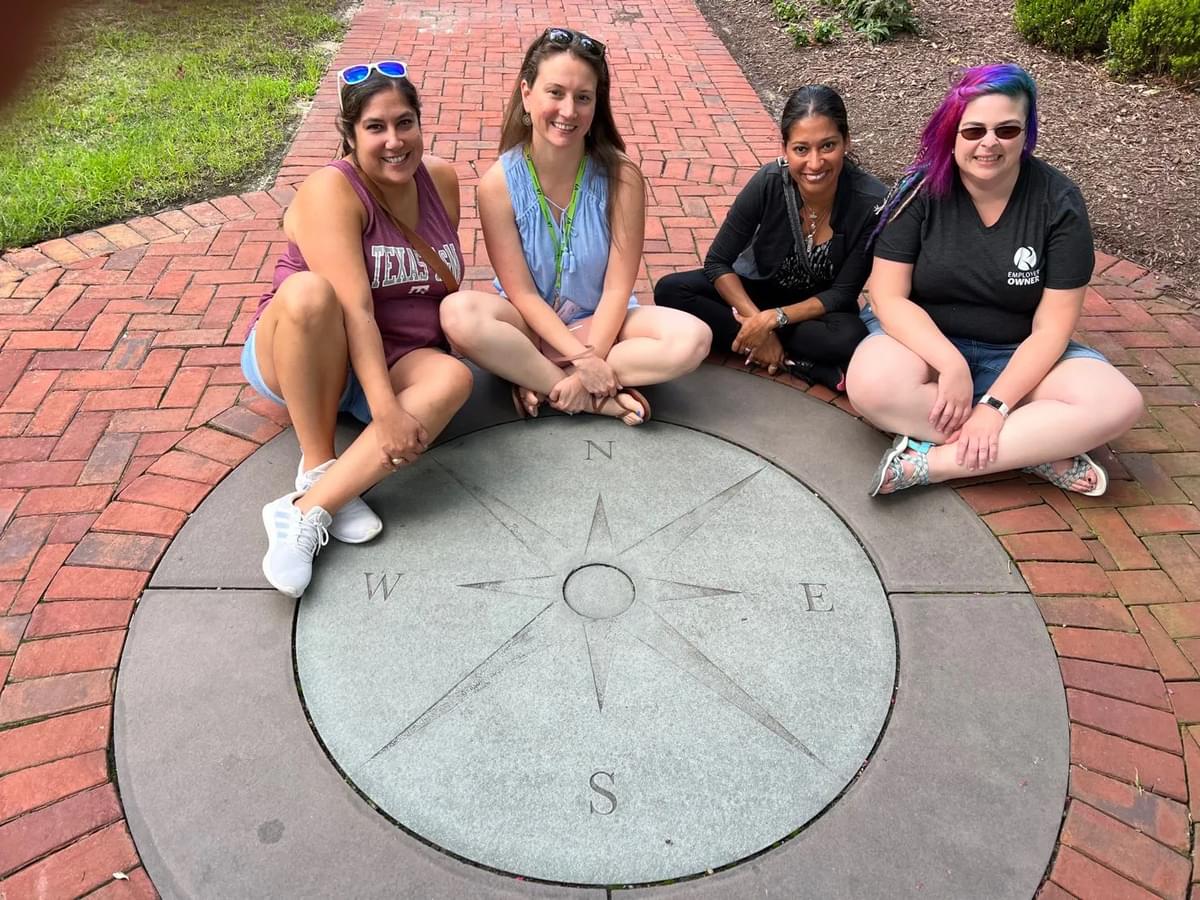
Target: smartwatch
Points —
{"points": [[781, 318], [995, 403]]}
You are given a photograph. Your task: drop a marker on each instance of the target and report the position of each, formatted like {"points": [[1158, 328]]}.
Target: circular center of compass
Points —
{"points": [[598, 591]]}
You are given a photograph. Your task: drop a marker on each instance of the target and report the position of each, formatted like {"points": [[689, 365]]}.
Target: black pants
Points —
{"points": [[829, 340]]}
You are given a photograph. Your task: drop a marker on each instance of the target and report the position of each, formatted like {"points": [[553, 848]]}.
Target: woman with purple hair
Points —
{"points": [[982, 257]]}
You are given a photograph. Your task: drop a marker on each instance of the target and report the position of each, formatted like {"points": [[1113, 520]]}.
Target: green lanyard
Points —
{"points": [[561, 246]]}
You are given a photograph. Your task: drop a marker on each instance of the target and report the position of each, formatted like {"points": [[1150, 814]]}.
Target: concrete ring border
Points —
{"points": [[965, 787]]}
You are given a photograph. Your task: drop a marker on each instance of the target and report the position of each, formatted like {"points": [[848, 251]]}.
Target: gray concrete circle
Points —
{"points": [[598, 655], [599, 591]]}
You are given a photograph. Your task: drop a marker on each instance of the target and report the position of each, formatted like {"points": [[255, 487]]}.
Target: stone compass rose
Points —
{"points": [[598, 655], [608, 590]]}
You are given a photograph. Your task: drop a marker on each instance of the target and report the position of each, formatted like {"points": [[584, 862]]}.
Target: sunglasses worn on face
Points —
{"points": [[1004, 132], [564, 37]]}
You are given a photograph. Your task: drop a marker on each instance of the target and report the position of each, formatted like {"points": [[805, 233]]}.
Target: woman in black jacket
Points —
{"points": [[780, 283]]}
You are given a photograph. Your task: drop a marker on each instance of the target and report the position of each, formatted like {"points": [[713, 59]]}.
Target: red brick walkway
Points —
{"points": [[121, 405]]}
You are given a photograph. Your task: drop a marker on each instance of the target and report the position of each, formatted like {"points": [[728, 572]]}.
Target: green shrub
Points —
{"points": [[786, 11], [799, 35], [1068, 26], [1157, 36], [878, 20], [825, 31]]}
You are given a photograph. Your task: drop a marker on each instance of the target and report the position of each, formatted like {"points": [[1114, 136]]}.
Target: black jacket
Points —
{"points": [[756, 236]]}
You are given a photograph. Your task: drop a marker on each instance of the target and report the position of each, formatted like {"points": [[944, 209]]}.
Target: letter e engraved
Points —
{"points": [[815, 595], [380, 584], [592, 445], [606, 794]]}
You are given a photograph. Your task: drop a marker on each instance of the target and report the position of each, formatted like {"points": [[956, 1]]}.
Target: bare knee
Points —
{"points": [[1125, 405], [691, 345], [868, 390], [454, 380], [462, 313], [309, 303]]}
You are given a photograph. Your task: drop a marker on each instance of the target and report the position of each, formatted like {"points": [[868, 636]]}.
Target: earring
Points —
{"points": [[525, 119]]}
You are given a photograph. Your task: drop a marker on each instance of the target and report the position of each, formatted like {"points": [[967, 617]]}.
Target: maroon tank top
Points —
{"points": [[406, 291]]}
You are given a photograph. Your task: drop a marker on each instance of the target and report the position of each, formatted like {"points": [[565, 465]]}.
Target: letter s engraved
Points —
{"points": [[606, 794]]}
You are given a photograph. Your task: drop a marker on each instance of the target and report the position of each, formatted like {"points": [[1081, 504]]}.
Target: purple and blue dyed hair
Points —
{"points": [[933, 168]]}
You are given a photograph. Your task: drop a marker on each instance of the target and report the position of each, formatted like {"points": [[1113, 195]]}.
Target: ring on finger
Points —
{"points": [[397, 462]]}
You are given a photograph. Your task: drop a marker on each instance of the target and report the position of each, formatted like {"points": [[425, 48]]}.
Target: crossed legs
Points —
{"points": [[654, 345], [303, 355], [1080, 404]]}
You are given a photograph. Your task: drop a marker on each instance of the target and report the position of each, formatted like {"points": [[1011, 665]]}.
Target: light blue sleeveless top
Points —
{"points": [[586, 262]]}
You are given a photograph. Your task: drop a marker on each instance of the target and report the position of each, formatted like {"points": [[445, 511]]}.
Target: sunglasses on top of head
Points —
{"points": [[565, 37], [1004, 132], [392, 68]]}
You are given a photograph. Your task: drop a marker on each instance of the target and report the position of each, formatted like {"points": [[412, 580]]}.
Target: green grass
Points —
{"points": [[146, 103]]}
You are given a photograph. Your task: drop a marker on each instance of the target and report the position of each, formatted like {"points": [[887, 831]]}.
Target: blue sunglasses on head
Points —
{"points": [[392, 68]]}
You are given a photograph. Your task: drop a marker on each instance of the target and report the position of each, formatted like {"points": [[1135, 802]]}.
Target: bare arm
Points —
{"points": [[445, 179], [1055, 319], [890, 286], [624, 257]]}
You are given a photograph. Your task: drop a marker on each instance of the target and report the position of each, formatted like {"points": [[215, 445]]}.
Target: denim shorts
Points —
{"points": [[354, 400], [986, 361]]}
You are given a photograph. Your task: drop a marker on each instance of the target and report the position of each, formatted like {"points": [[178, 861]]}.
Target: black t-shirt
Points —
{"points": [[985, 284]]}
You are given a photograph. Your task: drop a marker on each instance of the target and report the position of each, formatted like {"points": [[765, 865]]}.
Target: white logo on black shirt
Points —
{"points": [[1027, 271]]}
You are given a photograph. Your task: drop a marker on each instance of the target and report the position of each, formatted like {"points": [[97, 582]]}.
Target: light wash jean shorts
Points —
{"points": [[354, 400], [985, 360]]}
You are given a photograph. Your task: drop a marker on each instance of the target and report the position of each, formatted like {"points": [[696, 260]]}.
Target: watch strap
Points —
{"points": [[995, 403], [781, 317]]}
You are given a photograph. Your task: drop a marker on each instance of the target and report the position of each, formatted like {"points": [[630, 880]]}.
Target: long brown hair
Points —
{"points": [[602, 141]]}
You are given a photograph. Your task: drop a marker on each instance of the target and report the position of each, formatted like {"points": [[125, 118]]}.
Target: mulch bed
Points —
{"points": [[1132, 148]]}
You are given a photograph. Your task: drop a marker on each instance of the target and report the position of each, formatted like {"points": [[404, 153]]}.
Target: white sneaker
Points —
{"points": [[293, 539], [354, 523]]}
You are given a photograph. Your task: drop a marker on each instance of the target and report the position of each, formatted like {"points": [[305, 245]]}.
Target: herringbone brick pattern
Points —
{"points": [[121, 405]]}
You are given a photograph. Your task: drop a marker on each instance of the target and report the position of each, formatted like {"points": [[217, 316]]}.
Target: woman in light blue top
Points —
{"points": [[563, 214]]}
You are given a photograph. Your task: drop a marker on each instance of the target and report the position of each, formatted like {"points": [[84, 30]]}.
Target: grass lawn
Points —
{"points": [[145, 103]]}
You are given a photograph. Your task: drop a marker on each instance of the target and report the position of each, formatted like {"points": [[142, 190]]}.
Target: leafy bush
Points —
{"points": [[1068, 26], [825, 31], [799, 35], [786, 11], [878, 20], [1157, 36]]}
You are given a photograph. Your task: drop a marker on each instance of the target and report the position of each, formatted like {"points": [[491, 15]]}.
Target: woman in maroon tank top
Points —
{"points": [[352, 320]]}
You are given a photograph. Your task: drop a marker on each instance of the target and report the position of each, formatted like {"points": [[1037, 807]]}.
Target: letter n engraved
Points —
{"points": [[815, 595], [592, 445], [378, 584], [605, 808]]}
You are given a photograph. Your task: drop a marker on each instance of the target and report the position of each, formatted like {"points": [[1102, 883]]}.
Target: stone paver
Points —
{"points": [[121, 405]]}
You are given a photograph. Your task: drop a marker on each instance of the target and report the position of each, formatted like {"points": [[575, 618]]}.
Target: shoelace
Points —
{"points": [[311, 536]]}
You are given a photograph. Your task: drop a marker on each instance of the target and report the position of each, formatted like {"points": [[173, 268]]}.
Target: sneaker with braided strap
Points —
{"points": [[355, 522], [905, 464], [293, 539]]}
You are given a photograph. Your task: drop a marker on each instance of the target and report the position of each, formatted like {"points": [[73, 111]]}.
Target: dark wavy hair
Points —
{"points": [[933, 168], [355, 97], [603, 141]]}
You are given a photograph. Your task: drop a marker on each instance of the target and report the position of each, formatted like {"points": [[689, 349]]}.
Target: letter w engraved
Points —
{"points": [[381, 583]]}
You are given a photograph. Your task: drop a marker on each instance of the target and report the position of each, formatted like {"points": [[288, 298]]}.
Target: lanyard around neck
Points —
{"points": [[563, 244]]}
